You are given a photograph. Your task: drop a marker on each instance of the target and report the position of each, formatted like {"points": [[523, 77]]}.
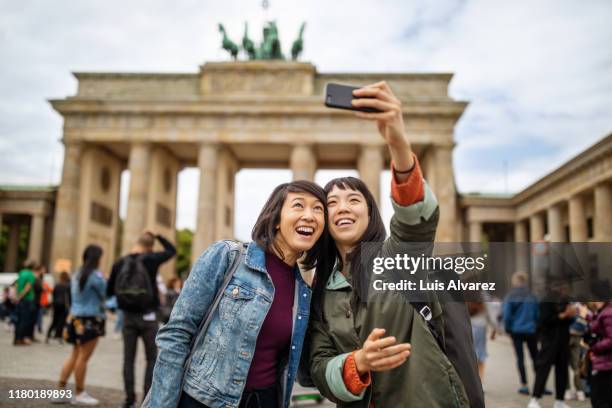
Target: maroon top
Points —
{"points": [[275, 334], [602, 349]]}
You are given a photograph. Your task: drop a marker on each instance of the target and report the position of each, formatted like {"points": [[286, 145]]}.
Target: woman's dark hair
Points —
{"points": [[91, 261], [64, 277], [375, 232], [265, 230]]}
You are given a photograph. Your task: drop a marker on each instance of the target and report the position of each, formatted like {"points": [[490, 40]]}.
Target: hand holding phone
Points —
{"points": [[340, 97]]}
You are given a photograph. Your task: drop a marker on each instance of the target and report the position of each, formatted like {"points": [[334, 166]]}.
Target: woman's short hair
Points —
{"points": [[265, 229]]}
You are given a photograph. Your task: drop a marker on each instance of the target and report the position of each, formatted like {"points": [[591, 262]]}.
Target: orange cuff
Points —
{"points": [[354, 382], [412, 190]]}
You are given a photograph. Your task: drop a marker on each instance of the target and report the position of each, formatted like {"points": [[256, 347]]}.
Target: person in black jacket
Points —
{"points": [[142, 323], [61, 306], [556, 315]]}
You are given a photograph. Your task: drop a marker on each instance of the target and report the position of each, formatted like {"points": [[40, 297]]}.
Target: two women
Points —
{"points": [[85, 324], [250, 353]]}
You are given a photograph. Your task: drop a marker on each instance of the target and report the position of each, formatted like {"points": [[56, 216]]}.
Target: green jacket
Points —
{"points": [[427, 378]]}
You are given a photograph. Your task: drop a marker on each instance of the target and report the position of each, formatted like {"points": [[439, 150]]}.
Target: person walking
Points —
{"points": [[578, 328], [61, 306], [555, 317], [26, 308], [520, 316], [85, 325], [133, 281]]}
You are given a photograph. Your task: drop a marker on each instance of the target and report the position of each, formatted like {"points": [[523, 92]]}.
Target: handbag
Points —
{"points": [[240, 249]]}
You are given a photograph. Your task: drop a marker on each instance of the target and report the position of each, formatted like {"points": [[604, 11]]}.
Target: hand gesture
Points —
{"points": [[389, 120], [381, 354]]}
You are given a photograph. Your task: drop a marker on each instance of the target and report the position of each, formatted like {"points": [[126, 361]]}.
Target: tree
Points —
{"points": [[184, 238]]}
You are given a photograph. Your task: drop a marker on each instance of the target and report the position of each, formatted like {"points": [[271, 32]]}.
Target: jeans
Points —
{"points": [[134, 326], [532, 346], [26, 317]]}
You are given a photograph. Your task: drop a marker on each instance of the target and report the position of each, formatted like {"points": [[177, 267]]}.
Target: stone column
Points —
{"points": [[555, 224], [135, 220], [10, 262], [446, 193], [536, 228], [475, 231], [370, 165], [67, 208], [37, 233], [208, 158], [520, 231], [303, 162], [577, 220], [522, 247], [603, 213]]}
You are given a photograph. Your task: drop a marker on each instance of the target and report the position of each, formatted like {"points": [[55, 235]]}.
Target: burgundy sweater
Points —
{"points": [[275, 334]]}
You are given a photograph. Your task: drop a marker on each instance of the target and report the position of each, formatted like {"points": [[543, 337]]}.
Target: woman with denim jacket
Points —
{"points": [[250, 353], [84, 325], [381, 353]]}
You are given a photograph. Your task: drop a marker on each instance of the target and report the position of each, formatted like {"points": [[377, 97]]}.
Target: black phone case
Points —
{"points": [[339, 96]]}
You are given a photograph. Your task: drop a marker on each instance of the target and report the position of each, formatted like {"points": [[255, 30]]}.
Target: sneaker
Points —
{"points": [[569, 395], [524, 390], [560, 404], [534, 403], [84, 399], [580, 396]]}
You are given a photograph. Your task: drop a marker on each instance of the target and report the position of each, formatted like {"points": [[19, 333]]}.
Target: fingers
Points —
{"points": [[375, 334], [379, 104], [378, 90], [388, 351], [377, 345], [388, 363], [376, 115]]}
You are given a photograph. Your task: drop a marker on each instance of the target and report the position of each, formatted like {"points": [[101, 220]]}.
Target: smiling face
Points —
{"points": [[302, 220], [347, 216]]}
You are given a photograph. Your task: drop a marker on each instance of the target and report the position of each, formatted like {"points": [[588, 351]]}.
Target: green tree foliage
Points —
{"points": [[184, 238]]}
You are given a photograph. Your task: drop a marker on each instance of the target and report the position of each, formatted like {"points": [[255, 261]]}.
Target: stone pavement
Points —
{"points": [[38, 366]]}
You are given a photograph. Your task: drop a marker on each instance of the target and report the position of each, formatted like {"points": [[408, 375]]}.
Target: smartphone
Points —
{"points": [[339, 96]]}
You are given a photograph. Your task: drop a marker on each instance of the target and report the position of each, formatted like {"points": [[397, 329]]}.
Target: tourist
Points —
{"points": [[520, 314], [85, 324], [352, 362], [578, 328], [249, 355], [26, 309], [600, 354], [61, 306], [555, 317], [139, 312]]}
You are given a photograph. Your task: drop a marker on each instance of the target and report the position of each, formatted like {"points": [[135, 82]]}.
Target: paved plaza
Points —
{"points": [[37, 367]]}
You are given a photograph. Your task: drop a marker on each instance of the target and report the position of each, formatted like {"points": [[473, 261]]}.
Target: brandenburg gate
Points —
{"points": [[226, 117]]}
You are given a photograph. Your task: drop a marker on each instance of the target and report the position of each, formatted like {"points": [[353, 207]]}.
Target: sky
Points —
{"points": [[537, 75]]}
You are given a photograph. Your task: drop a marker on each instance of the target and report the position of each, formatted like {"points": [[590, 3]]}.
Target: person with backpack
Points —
{"points": [[84, 326], [520, 314], [133, 281], [236, 332]]}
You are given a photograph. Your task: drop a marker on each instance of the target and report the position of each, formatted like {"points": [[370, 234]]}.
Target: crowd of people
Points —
{"points": [[80, 304], [250, 321], [556, 331]]}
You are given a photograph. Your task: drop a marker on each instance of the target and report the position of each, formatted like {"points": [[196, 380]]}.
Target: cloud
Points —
{"points": [[537, 74]]}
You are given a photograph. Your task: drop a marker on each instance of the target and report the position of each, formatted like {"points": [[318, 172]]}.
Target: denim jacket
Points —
{"points": [[221, 361], [88, 302]]}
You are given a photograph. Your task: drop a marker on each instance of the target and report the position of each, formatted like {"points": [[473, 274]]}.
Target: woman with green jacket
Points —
{"points": [[351, 361]]}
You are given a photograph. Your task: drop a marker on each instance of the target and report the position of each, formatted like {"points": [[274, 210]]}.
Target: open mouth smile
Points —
{"points": [[305, 231]]}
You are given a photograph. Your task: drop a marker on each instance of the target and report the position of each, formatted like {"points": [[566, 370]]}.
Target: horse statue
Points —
{"points": [[298, 44], [247, 44], [228, 44]]}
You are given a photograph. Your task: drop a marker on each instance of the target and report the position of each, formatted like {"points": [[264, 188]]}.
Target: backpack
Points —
{"points": [[133, 286]]}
